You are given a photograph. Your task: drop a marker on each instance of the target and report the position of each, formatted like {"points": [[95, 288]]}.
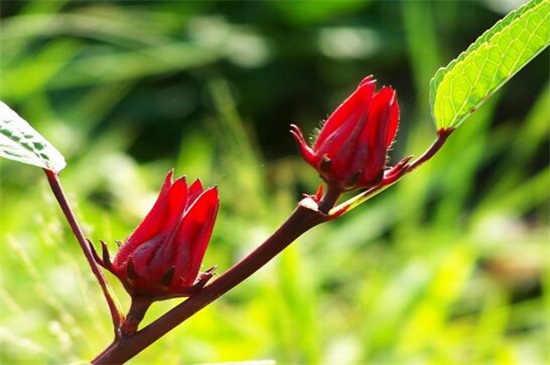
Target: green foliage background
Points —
{"points": [[449, 266]]}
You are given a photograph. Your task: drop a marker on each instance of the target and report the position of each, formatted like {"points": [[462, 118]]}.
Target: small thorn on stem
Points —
{"points": [[207, 275], [203, 279]]}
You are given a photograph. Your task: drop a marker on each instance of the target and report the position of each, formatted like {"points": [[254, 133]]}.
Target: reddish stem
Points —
{"points": [[329, 199], [137, 311], [301, 220], [442, 135], [55, 185]]}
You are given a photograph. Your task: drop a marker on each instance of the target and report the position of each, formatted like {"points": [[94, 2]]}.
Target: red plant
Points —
{"points": [[162, 257], [350, 151]]}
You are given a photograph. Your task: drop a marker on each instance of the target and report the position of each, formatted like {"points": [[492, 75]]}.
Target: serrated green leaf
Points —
{"points": [[457, 90], [21, 142]]}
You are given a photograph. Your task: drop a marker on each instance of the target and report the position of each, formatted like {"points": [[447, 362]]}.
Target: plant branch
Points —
{"points": [[116, 314], [329, 199], [403, 168], [442, 135], [301, 220], [307, 215]]}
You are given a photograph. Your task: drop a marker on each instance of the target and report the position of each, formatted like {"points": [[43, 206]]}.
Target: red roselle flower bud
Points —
{"points": [[162, 257], [351, 149]]}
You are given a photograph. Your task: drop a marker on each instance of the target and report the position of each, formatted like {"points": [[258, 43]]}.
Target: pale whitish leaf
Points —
{"points": [[21, 142], [457, 90]]}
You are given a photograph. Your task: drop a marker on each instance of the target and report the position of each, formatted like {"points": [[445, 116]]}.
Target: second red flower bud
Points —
{"points": [[350, 151]]}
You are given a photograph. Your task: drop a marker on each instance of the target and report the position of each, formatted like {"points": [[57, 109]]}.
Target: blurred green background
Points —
{"points": [[450, 266]]}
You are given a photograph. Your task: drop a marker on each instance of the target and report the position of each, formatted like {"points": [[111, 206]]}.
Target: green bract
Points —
{"points": [[456, 91], [20, 142]]}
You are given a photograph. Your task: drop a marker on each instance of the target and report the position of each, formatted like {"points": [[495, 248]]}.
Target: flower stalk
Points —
{"points": [[442, 135], [114, 307]]}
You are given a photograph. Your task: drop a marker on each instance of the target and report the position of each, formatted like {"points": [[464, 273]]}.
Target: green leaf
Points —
{"points": [[456, 91], [20, 142]]}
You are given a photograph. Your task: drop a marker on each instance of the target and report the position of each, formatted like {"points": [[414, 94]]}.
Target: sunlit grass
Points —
{"points": [[437, 269]]}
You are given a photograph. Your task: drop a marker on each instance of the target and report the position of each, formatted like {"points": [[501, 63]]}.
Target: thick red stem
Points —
{"points": [[301, 220], [305, 217]]}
